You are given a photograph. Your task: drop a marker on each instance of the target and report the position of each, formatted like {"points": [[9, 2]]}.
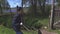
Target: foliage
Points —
{"points": [[28, 21], [5, 21], [33, 16], [39, 12], [38, 8], [35, 21], [58, 1], [4, 5], [4, 30]]}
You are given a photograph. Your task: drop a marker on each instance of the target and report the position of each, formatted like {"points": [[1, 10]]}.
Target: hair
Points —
{"points": [[19, 8]]}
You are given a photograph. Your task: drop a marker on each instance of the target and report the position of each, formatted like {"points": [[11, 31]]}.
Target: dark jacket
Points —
{"points": [[16, 22]]}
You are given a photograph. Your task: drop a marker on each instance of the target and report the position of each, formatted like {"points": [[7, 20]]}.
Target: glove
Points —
{"points": [[21, 23]]}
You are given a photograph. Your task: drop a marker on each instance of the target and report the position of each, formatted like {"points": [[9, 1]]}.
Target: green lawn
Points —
{"points": [[45, 21], [4, 30], [30, 32], [56, 31]]}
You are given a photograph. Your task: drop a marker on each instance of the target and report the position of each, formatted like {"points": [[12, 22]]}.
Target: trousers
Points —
{"points": [[17, 30], [19, 33]]}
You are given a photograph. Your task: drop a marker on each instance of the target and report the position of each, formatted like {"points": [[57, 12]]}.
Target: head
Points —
{"points": [[19, 10]]}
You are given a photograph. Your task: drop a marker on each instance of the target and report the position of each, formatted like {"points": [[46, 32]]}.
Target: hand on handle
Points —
{"points": [[21, 23]]}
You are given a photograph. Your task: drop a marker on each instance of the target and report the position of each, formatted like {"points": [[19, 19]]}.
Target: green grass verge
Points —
{"points": [[45, 21], [56, 31], [4, 30]]}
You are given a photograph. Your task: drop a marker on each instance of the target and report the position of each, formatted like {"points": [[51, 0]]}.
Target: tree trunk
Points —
{"points": [[43, 8], [1, 12], [35, 7], [52, 15]]}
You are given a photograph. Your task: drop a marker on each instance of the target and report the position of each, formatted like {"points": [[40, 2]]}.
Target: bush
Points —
{"points": [[37, 25], [6, 21], [28, 21], [32, 22]]}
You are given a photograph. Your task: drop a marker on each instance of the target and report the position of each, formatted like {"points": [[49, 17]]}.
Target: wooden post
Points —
{"points": [[52, 15]]}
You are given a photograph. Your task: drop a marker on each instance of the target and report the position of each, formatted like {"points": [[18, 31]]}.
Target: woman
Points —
{"points": [[17, 21]]}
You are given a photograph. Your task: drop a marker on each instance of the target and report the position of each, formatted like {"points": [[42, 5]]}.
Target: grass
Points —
{"points": [[44, 21], [56, 31], [4, 30], [30, 32]]}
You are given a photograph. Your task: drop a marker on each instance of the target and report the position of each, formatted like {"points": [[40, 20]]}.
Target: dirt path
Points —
{"points": [[46, 32]]}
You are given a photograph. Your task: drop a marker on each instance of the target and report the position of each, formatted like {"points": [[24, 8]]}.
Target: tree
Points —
{"points": [[4, 5], [33, 9], [1, 9], [58, 1], [52, 14]]}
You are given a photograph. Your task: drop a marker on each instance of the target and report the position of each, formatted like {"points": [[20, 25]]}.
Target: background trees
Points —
{"points": [[36, 10], [4, 5]]}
